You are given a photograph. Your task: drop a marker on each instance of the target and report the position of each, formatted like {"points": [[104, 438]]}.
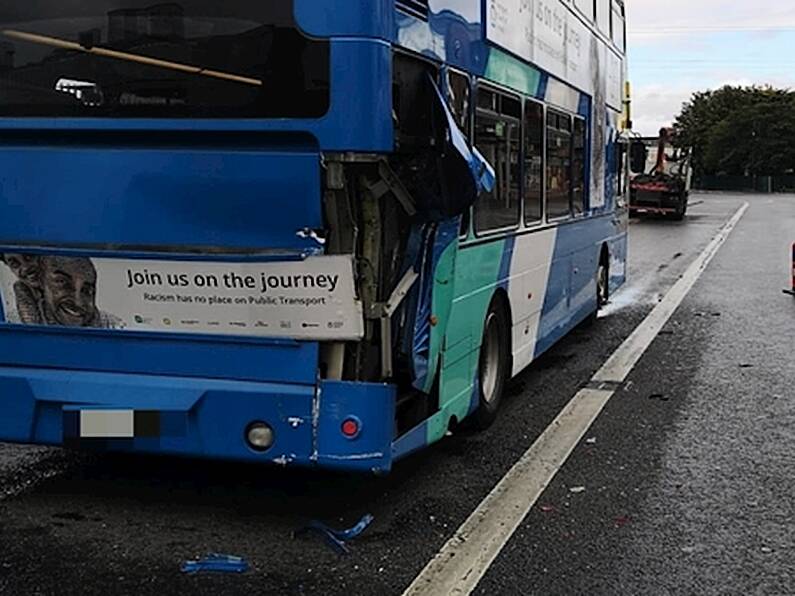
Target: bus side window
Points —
{"points": [[498, 138], [559, 154], [459, 98], [578, 167], [533, 162]]}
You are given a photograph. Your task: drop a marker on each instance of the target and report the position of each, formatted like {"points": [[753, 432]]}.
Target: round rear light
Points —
{"points": [[351, 428], [260, 436]]}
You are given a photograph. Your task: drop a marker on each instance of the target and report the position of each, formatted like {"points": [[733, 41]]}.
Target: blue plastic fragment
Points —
{"points": [[328, 535], [356, 530], [337, 539], [216, 563]]}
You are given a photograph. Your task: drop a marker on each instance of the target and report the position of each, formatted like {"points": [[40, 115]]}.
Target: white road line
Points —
{"points": [[466, 557]]}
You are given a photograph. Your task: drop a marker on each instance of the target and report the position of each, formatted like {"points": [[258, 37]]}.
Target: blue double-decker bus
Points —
{"points": [[305, 232]]}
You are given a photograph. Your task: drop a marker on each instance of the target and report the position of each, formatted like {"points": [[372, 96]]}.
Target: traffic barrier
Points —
{"points": [[792, 291]]}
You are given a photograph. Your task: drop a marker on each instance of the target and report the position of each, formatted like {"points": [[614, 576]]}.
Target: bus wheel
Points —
{"points": [[603, 283], [602, 289], [493, 368]]}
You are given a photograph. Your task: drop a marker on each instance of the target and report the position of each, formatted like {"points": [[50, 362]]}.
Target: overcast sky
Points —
{"points": [[677, 47]]}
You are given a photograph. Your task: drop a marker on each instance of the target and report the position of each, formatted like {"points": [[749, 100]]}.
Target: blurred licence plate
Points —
{"points": [[107, 424]]}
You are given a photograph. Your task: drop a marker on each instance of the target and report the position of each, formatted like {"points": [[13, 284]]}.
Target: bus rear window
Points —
{"points": [[133, 58]]}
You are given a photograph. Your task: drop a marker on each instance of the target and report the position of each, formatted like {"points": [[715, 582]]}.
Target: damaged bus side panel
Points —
{"points": [[401, 215], [448, 323]]}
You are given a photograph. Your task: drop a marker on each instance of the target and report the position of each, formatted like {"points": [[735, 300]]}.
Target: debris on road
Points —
{"points": [[659, 397], [216, 563], [622, 521], [548, 509], [336, 539], [591, 441], [575, 490]]}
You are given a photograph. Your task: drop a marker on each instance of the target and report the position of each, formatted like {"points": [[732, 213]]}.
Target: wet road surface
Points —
{"points": [[687, 474]]}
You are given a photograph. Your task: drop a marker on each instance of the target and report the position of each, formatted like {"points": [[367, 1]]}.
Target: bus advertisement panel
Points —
{"points": [[312, 299]]}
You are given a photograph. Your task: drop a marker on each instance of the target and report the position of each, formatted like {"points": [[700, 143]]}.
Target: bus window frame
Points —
{"points": [[617, 7], [499, 92], [466, 230], [530, 225], [474, 238], [450, 71], [562, 218], [587, 150], [589, 18], [605, 28]]}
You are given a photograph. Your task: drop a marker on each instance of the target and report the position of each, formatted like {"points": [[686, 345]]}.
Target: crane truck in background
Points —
{"points": [[661, 176]]}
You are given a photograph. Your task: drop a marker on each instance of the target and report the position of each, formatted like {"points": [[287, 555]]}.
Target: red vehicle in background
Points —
{"points": [[662, 177]]}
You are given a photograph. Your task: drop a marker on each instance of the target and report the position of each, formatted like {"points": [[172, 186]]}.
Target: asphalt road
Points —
{"points": [[688, 474]]}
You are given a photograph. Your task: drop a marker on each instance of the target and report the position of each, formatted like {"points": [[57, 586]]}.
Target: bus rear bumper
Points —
{"points": [[201, 418]]}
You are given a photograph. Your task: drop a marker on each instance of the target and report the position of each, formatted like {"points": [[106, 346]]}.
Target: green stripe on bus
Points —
{"points": [[476, 280]]}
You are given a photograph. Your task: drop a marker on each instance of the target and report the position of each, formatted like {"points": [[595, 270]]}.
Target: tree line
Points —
{"points": [[747, 131]]}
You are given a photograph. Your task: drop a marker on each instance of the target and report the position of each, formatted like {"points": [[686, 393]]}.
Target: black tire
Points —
{"points": [[493, 366], [603, 282], [602, 289], [681, 210]]}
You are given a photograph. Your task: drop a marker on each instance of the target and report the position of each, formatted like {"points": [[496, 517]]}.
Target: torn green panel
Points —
{"points": [[443, 295], [475, 285]]}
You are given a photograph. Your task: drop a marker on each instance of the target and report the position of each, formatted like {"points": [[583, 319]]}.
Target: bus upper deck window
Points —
{"points": [[603, 10], [618, 25], [586, 7], [137, 58]]}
